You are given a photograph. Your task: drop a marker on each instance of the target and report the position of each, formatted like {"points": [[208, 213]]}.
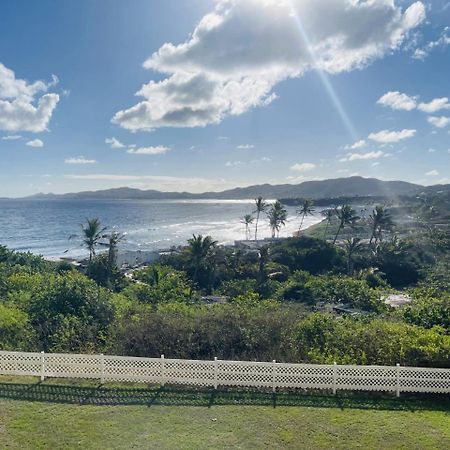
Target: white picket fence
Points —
{"points": [[226, 373]]}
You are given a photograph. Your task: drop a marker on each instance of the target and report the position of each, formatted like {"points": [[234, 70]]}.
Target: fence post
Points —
{"points": [[274, 375], [42, 366], [102, 368], [334, 377], [163, 374], [216, 372], [398, 380]]}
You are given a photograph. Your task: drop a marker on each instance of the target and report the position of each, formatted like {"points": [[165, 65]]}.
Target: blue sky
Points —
{"points": [[206, 95]]}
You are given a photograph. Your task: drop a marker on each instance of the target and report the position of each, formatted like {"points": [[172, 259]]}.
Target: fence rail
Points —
{"points": [[226, 373]]}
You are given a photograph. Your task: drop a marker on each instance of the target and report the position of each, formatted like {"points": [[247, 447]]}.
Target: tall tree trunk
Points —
{"points": [[373, 235], [326, 231], [256, 226], [349, 264], [301, 224], [194, 278], [337, 234]]}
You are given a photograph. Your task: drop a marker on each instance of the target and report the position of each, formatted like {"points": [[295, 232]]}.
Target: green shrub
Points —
{"points": [[71, 313], [16, 332], [324, 338]]}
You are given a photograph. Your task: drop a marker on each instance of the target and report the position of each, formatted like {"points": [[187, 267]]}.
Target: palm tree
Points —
{"points": [[381, 221], [328, 214], [277, 217], [200, 248], [261, 206], [264, 257], [352, 246], [247, 220], [305, 210], [113, 241], [91, 234], [347, 216]]}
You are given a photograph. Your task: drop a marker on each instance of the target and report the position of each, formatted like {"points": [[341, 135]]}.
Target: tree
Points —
{"points": [[91, 235], [200, 249], [113, 241], [347, 216], [352, 246], [381, 221], [247, 220], [277, 217], [261, 206], [328, 214], [399, 261], [305, 210], [264, 257]]}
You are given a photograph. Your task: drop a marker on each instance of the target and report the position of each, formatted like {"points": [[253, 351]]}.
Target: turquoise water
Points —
{"points": [[43, 226]]}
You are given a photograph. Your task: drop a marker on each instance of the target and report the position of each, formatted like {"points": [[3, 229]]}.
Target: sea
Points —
{"points": [[44, 226]]}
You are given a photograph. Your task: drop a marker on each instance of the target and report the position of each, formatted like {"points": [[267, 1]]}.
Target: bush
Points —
{"points": [[159, 284], [235, 288], [324, 338], [248, 329], [70, 313], [302, 287], [428, 309], [101, 271], [16, 332], [309, 254]]}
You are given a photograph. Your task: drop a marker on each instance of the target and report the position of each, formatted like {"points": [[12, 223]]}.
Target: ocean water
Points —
{"points": [[44, 226]]}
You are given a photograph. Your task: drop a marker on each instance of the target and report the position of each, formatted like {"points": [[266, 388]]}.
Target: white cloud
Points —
{"points": [[303, 167], [35, 143], [245, 146], [233, 163], [363, 156], [442, 42], [432, 173], [398, 101], [435, 105], [114, 143], [359, 144], [439, 122], [390, 137], [243, 48], [13, 137], [79, 160], [158, 150], [432, 150], [21, 108], [420, 54], [264, 159]]}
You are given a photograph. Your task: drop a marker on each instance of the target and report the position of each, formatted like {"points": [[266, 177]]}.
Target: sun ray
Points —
{"points": [[324, 77]]}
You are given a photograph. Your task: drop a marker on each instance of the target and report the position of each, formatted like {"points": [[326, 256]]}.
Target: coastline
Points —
{"points": [[149, 226], [148, 256]]}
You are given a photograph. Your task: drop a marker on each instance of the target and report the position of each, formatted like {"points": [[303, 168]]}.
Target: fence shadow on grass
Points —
{"points": [[91, 394]]}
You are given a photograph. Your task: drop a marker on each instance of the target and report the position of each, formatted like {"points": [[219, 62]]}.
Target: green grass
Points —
{"points": [[64, 415]]}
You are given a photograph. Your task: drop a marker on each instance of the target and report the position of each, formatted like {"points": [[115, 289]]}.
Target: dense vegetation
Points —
{"points": [[273, 300]]}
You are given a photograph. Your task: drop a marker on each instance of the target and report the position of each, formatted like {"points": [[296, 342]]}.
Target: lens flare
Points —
{"points": [[324, 77]]}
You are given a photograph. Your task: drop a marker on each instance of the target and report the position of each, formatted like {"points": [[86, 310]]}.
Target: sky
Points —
{"points": [[204, 95]]}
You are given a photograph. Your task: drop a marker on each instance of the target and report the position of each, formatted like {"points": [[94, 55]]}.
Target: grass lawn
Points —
{"points": [[64, 415]]}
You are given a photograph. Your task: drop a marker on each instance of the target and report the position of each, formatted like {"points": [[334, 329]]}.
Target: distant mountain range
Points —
{"points": [[333, 188]]}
